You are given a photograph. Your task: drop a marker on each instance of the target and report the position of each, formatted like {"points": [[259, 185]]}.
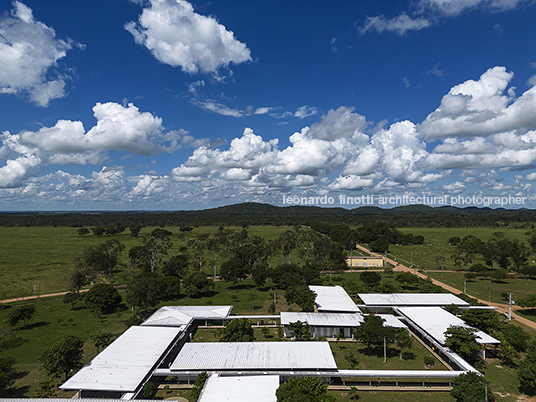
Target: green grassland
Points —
{"points": [[40, 260], [436, 242]]}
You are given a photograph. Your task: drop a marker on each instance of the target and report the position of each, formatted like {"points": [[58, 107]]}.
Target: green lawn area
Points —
{"points": [[436, 243], [39, 260], [487, 289]]}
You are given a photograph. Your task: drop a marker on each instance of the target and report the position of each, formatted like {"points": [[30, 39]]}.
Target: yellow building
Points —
{"points": [[365, 262]]}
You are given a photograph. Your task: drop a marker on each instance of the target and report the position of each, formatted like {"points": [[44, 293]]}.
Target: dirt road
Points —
{"points": [[502, 308]]}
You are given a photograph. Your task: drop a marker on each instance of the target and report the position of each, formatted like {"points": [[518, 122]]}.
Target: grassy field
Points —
{"points": [[39, 260], [436, 242]]}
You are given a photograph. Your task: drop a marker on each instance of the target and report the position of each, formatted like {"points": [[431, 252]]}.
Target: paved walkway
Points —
{"points": [[502, 308]]}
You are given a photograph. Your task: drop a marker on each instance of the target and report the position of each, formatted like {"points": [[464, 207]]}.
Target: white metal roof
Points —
{"points": [[436, 321], [123, 365], [333, 298], [392, 321], [411, 299], [240, 389], [171, 316], [323, 319], [254, 355]]}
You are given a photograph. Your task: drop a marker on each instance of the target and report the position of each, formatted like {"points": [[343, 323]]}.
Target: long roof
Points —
{"points": [[240, 389], [182, 315], [124, 364], [410, 299], [254, 355], [435, 321], [323, 319], [333, 298]]}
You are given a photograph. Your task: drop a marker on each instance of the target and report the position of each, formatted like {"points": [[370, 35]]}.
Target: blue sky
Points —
{"points": [[170, 105]]}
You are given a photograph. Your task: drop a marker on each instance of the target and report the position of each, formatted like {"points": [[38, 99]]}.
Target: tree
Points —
{"points": [[406, 278], [372, 332], [21, 313], [306, 389], [78, 280], [64, 357], [515, 336], [83, 231], [302, 296], [102, 298], [198, 244], [233, 270], [469, 387], [238, 330], [454, 240], [199, 384], [301, 331], [462, 340], [156, 244], [467, 250], [528, 301], [145, 291], [403, 340], [196, 283], [111, 250], [526, 372], [259, 274], [370, 278], [102, 339], [72, 298], [499, 274], [101, 259], [484, 320], [7, 371]]}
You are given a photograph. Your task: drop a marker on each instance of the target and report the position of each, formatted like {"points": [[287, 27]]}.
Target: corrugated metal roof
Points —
{"points": [[323, 319], [436, 321], [254, 355], [411, 299], [123, 365], [172, 316], [240, 389], [333, 298]]}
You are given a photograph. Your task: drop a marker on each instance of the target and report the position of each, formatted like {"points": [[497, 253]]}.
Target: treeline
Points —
{"points": [[495, 257], [264, 214], [378, 236]]}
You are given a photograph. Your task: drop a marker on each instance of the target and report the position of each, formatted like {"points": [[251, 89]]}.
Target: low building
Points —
{"points": [[380, 302], [253, 357], [259, 388], [333, 299], [365, 262], [327, 325]]}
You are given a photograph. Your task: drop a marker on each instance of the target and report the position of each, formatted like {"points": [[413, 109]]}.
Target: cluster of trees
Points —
{"points": [[157, 276], [498, 252], [378, 235]]}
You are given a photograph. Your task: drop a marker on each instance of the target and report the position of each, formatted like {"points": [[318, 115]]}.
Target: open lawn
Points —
{"points": [[436, 243], [40, 260], [487, 289]]}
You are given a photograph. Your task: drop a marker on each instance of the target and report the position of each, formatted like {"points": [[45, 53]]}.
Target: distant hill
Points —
{"points": [[251, 213]]}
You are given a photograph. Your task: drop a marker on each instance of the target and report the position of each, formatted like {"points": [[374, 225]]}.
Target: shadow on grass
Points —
{"points": [[16, 392], [35, 325], [244, 286], [12, 343], [528, 313]]}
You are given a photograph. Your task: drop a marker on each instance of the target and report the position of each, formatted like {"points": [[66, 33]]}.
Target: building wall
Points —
{"points": [[365, 262]]}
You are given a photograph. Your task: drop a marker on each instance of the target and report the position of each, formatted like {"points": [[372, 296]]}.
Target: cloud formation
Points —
{"points": [[483, 107], [118, 128], [428, 12], [179, 37], [29, 50]]}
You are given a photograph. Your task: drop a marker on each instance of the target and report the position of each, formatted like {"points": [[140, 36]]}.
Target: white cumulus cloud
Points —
{"points": [[29, 51], [176, 35], [482, 107]]}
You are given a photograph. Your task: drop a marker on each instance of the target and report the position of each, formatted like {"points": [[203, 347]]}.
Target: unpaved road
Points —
{"points": [[502, 308]]}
